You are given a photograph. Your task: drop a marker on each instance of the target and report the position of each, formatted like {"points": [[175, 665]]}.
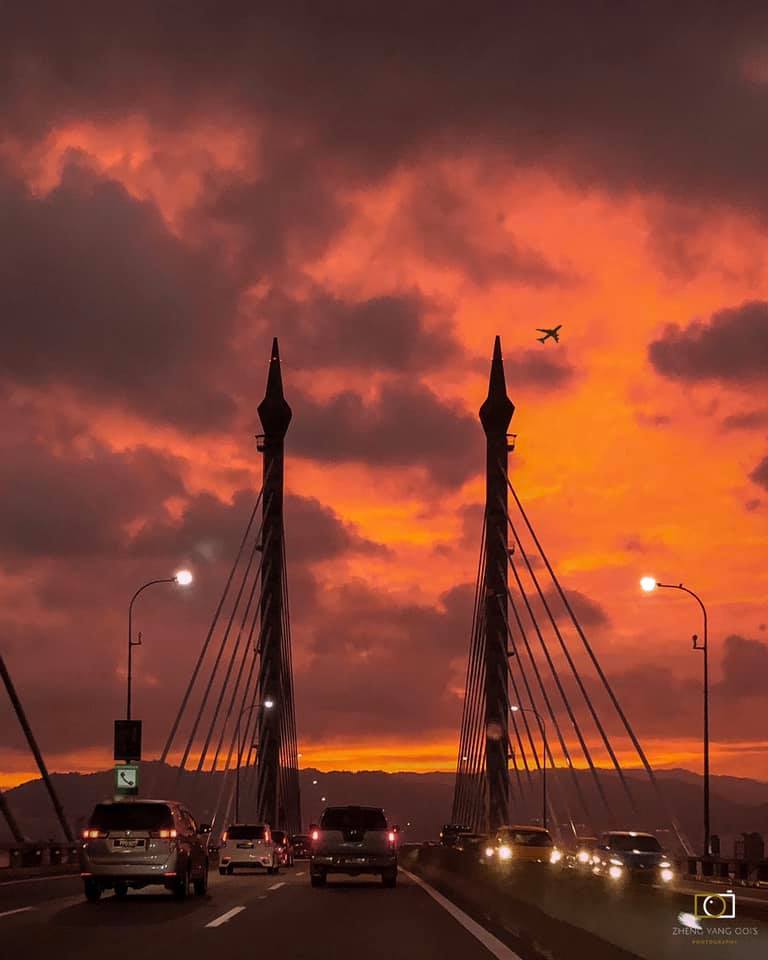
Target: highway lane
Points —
{"points": [[243, 915]]}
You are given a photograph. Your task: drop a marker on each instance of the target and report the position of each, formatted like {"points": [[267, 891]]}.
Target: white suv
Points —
{"points": [[248, 845]]}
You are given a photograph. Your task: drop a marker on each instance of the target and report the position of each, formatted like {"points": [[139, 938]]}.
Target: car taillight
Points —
{"points": [[163, 834], [94, 834], [315, 834], [391, 836], [224, 837]]}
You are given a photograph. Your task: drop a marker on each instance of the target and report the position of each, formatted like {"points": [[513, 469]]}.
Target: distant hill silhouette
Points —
{"points": [[422, 800]]}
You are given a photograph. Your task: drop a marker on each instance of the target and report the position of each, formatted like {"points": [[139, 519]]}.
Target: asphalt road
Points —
{"points": [[242, 916]]}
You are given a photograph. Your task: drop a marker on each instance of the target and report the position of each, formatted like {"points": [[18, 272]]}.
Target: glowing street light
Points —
{"points": [[515, 708], [267, 704], [183, 578], [648, 584]]}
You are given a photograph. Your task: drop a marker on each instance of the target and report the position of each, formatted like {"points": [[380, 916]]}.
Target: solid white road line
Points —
{"points": [[53, 876], [225, 917], [276, 886], [9, 913], [299, 873], [499, 950]]}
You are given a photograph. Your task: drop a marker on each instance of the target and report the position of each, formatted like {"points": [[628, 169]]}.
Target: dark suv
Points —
{"points": [[353, 840]]}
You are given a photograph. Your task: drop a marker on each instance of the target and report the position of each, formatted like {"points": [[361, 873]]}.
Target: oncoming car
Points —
{"points": [[522, 844], [248, 845], [622, 854], [353, 840], [135, 843]]}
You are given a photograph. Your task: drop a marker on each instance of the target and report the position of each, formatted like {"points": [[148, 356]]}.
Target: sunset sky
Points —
{"points": [[385, 192]]}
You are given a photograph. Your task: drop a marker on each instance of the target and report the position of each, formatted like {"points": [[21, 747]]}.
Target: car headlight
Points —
{"points": [[489, 851], [616, 862], [665, 863], [614, 872], [505, 852], [666, 874], [555, 856], [582, 856]]}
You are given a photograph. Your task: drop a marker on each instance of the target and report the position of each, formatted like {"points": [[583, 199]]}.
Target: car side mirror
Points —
{"points": [[204, 829]]}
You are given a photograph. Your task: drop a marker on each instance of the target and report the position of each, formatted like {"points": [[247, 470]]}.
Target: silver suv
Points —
{"points": [[134, 843], [353, 840]]}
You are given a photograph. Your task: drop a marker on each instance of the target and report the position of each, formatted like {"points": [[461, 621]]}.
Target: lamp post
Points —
{"points": [[267, 704], [183, 578], [542, 728], [649, 584]]}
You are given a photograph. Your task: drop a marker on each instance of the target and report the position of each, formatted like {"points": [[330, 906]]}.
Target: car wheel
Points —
{"points": [[317, 879], [181, 887], [230, 870], [201, 885], [121, 889], [223, 871], [389, 878], [92, 890]]}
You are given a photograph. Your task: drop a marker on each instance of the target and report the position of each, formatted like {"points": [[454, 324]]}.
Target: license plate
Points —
{"points": [[356, 860], [129, 843], [245, 846]]}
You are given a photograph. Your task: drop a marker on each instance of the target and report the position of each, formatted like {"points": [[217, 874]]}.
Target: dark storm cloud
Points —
{"points": [[760, 473], [745, 668], [750, 420], [442, 224], [73, 506], [406, 426], [387, 332], [381, 665], [732, 347], [287, 216], [663, 97], [587, 611], [533, 368], [210, 530], [97, 294]]}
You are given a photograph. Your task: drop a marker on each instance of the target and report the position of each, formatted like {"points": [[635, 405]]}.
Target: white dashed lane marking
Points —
{"points": [[225, 917], [10, 913]]}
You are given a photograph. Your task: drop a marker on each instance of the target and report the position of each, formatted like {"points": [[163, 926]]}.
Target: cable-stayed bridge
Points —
{"points": [[543, 740]]}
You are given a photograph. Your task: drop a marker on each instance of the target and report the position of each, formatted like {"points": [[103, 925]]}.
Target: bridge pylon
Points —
{"points": [[277, 795], [495, 416]]}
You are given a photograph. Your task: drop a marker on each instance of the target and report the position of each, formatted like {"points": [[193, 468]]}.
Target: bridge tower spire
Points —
{"points": [[495, 416], [275, 416]]}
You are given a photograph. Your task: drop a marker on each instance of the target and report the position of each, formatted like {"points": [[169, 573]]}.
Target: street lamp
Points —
{"points": [[649, 584], [183, 578], [267, 704], [515, 708]]}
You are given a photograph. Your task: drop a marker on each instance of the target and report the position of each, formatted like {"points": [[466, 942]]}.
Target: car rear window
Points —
{"points": [[131, 816], [353, 818], [644, 844], [532, 838], [246, 831], [300, 838]]}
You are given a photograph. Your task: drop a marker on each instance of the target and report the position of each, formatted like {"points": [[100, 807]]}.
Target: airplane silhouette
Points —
{"points": [[553, 333]]}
